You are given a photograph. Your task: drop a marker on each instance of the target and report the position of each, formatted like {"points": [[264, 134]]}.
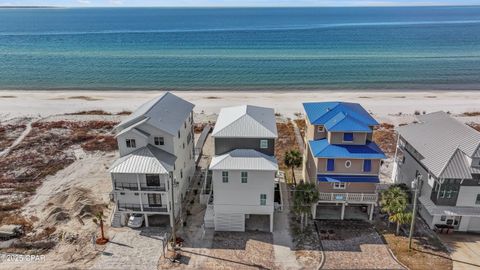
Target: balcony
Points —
{"points": [[134, 186], [137, 208], [348, 197]]}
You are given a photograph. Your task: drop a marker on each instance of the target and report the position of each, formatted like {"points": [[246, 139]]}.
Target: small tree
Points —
{"points": [[306, 194], [293, 159], [394, 202], [99, 221]]}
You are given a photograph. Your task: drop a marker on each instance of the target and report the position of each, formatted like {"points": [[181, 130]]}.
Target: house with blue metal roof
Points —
{"points": [[342, 159]]}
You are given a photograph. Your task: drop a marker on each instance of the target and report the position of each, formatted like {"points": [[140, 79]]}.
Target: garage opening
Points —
{"points": [[257, 223], [356, 212], [328, 211], [159, 220]]}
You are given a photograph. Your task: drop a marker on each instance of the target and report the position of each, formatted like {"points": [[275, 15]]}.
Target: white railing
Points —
{"points": [[347, 197]]}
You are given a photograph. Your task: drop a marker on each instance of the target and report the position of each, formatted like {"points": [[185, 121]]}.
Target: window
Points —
{"points": [[185, 124], [244, 177], [153, 180], [403, 160], [263, 144], [159, 141], [443, 218], [339, 185], [477, 201], [320, 129], [181, 173], [348, 164], [179, 134], [122, 193], [348, 137], [131, 143], [263, 199], [136, 193], [367, 165], [225, 177], [154, 200], [330, 165]]}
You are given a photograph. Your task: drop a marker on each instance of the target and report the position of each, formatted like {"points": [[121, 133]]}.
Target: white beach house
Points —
{"points": [[156, 149], [446, 153], [243, 169]]}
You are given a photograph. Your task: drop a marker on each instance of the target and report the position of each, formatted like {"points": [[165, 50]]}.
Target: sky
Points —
{"points": [[232, 3]]}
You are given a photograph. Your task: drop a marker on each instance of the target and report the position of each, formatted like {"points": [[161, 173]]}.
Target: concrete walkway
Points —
{"points": [[464, 249], [282, 241]]}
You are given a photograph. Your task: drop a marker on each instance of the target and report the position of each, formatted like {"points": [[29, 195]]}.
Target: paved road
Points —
{"points": [[464, 248]]}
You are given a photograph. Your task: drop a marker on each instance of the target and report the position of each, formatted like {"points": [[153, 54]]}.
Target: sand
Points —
{"points": [[383, 104]]}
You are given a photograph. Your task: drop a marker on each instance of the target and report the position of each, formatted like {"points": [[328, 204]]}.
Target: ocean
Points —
{"points": [[291, 49]]}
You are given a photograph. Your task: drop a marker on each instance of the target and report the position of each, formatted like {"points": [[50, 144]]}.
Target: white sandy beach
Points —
{"points": [[383, 104]]}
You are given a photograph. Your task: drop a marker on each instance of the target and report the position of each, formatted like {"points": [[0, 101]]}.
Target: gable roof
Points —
{"points": [[244, 159], [166, 112], [319, 113], [322, 149], [148, 159], [437, 137], [246, 121], [345, 122]]}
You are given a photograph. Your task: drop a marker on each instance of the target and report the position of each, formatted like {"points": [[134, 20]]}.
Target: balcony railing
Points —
{"points": [[348, 197], [143, 187], [137, 208]]}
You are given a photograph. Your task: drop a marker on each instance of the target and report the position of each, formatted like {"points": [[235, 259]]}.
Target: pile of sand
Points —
{"points": [[75, 202]]}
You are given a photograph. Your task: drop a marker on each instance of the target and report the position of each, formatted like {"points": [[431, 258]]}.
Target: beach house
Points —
{"points": [[446, 153], [156, 151], [341, 158], [243, 169]]}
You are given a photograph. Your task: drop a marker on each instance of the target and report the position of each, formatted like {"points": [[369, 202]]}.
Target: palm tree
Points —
{"points": [[394, 202], [293, 159], [99, 221], [305, 195]]}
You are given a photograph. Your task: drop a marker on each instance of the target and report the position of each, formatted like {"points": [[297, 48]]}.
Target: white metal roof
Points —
{"points": [[148, 159], [437, 137], [443, 210], [246, 121], [244, 159], [167, 112]]}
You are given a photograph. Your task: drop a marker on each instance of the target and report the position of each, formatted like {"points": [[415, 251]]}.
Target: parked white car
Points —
{"points": [[136, 220]]}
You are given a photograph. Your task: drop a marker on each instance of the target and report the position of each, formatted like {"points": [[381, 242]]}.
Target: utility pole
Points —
{"points": [[416, 185], [172, 211]]}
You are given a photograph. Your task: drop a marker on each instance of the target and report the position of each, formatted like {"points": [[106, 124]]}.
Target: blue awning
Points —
{"points": [[348, 178]]}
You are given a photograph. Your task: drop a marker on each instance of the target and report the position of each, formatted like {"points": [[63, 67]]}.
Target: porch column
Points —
{"points": [[342, 215], [271, 222], [146, 220], [138, 181], [314, 210], [141, 201], [372, 206]]}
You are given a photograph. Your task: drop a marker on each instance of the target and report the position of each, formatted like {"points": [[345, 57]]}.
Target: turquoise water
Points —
{"points": [[240, 48]]}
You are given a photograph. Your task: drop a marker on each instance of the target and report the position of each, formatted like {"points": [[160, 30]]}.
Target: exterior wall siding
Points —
{"points": [[238, 197], [140, 141], [359, 138], [468, 195], [340, 167], [225, 145], [350, 188]]}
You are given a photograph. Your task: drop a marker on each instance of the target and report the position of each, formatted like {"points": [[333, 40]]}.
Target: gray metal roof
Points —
{"points": [[148, 159], [244, 159], [437, 137], [441, 210], [167, 112], [246, 121]]}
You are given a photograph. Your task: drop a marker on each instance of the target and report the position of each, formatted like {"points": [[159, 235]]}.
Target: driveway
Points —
{"points": [[131, 249], [464, 250]]}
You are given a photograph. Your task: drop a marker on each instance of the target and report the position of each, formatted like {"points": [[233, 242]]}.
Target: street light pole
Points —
{"points": [[415, 185]]}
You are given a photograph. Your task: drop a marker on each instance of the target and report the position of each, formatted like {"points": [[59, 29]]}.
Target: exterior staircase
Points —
{"points": [[116, 219]]}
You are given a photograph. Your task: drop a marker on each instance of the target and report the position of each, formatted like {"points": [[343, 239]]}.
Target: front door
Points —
{"points": [[154, 200]]}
